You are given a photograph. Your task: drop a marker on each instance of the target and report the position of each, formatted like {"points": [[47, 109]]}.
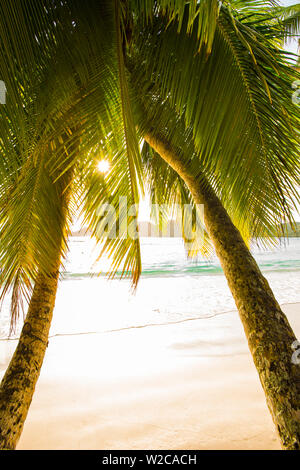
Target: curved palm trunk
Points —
{"points": [[18, 384], [267, 329], [19, 381]]}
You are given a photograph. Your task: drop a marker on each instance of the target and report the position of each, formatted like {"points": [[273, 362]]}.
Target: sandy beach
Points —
{"points": [[187, 385]]}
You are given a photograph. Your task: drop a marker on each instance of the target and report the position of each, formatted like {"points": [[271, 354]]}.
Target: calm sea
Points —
{"points": [[172, 288]]}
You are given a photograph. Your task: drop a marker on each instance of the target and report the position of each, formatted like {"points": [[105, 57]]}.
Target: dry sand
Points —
{"points": [[189, 385]]}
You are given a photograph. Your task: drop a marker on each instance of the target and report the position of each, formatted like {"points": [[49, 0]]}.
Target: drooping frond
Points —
{"points": [[290, 17], [211, 77], [201, 16], [238, 103], [170, 197], [59, 64]]}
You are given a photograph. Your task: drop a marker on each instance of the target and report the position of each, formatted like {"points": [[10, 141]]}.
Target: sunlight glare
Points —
{"points": [[103, 166]]}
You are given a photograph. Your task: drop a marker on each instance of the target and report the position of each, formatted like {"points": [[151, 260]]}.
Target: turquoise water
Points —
{"points": [[167, 257], [172, 288]]}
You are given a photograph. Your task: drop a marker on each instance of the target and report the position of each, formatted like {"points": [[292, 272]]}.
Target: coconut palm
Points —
{"points": [[53, 126], [68, 101], [245, 175], [56, 125]]}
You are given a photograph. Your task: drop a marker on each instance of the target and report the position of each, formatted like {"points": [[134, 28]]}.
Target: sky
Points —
{"points": [[292, 46]]}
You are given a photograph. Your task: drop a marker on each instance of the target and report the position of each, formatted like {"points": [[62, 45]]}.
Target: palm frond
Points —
{"points": [[244, 125], [201, 16], [63, 96], [290, 18], [170, 197]]}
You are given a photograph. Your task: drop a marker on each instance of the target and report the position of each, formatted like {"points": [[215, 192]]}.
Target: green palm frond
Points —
{"points": [[238, 104], [33, 227], [63, 95], [201, 16], [290, 18], [169, 197], [97, 191], [210, 77], [161, 119]]}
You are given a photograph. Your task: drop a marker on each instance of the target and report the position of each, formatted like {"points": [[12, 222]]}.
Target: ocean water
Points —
{"points": [[172, 288]]}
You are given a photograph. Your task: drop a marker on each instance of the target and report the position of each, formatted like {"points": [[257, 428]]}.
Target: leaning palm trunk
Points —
{"points": [[18, 384], [267, 329], [19, 381]]}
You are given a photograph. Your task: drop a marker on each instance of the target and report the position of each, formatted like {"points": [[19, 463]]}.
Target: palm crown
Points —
{"points": [[207, 84], [210, 76]]}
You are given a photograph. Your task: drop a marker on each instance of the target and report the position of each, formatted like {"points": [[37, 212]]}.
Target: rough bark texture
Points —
{"points": [[267, 329], [18, 384]]}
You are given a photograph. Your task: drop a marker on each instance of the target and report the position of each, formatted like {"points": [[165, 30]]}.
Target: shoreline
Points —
{"points": [[177, 386], [148, 325]]}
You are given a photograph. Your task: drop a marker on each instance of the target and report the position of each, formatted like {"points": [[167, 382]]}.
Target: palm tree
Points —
{"points": [[260, 145], [53, 127], [56, 126], [266, 327], [68, 102]]}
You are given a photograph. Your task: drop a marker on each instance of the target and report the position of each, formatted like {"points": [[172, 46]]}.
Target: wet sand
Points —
{"points": [[190, 385]]}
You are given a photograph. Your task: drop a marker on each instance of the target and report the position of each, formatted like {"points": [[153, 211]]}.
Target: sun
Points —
{"points": [[103, 166]]}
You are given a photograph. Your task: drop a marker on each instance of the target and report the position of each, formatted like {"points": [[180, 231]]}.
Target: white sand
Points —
{"points": [[186, 386]]}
